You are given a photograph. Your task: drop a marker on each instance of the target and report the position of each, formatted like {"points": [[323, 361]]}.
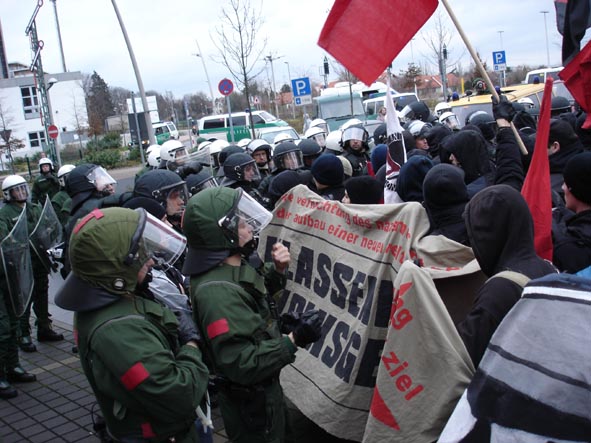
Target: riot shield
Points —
{"points": [[46, 236], [16, 261], [197, 160]]}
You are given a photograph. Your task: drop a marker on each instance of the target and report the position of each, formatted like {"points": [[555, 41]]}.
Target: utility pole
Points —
{"points": [[140, 83], [59, 36], [292, 97], [547, 47], [326, 72], [503, 71], [271, 59], [200, 54]]}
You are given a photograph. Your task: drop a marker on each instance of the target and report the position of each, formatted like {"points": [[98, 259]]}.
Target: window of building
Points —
{"points": [[36, 139], [30, 102]]}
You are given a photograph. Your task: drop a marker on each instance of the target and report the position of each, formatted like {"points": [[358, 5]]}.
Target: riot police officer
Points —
{"points": [[46, 183]]}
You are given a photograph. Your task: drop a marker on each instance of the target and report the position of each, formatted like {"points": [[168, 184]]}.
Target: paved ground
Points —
{"points": [[59, 406]]}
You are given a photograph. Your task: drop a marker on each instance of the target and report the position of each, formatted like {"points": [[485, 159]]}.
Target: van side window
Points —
{"points": [[239, 120], [213, 123], [158, 130], [257, 119]]}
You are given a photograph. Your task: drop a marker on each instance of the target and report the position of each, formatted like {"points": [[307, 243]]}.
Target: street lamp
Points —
{"points": [[292, 97], [199, 54], [270, 59], [503, 71], [547, 47]]}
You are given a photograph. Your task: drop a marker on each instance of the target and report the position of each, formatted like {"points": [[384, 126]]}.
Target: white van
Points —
{"points": [[373, 105], [218, 126], [541, 74]]}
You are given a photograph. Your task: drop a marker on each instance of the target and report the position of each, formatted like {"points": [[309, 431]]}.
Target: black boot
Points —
{"points": [[26, 344], [48, 334], [19, 375], [6, 389]]}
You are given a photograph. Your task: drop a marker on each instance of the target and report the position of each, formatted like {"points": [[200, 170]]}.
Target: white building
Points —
{"points": [[20, 106]]}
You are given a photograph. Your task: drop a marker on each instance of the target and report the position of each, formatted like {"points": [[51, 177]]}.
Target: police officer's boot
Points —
{"points": [[6, 389], [17, 374], [46, 333], [26, 344]]}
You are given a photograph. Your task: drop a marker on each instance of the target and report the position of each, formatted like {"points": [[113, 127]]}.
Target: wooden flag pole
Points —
{"points": [[485, 76]]}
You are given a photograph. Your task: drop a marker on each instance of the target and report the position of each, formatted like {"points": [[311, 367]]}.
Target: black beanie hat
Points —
{"points": [[364, 190], [577, 176], [328, 170]]}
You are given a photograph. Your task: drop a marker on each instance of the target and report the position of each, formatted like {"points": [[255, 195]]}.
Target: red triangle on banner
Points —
{"points": [[380, 411]]}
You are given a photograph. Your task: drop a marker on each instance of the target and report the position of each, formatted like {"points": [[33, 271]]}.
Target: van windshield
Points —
{"points": [[267, 117], [340, 108]]}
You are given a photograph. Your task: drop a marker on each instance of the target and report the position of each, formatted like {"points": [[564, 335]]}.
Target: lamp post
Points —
{"points": [[200, 55], [270, 59], [292, 98], [547, 47]]}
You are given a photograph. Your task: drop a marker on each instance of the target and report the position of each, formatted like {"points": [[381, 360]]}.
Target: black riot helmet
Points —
{"points": [[160, 185], [485, 122], [415, 111], [287, 155], [240, 167], [310, 150], [200, 181], [560, 105]]}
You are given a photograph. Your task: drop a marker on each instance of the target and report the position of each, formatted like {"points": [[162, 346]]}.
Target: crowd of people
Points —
{"points": [[172, 264]]}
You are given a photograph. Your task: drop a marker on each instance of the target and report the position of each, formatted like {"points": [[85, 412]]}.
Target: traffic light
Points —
{"points": [[326, 71]]}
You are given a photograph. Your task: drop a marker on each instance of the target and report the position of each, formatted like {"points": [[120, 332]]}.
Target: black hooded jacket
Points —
{"points": [[571, 235], [501, 233]]}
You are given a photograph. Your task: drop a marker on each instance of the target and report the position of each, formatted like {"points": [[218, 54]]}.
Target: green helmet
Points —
{"points": [[211, 225], [99, 247]]}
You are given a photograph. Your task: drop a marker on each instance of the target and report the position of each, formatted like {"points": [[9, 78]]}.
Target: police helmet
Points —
{"points": [[442, 107], [172, 149], [320, 123], [45, 161], [159, 184], [333, 141], [287, 155], [560, 105], [317, 134], [15, 188], [63, 173], [240, 167], [200, 181], [415, 111]]}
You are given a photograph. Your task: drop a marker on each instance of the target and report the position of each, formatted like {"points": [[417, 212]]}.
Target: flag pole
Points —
{"points": [[480, 67]]}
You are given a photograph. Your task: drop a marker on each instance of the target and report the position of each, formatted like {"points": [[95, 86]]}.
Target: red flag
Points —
{"points": [[577, 78], [536, 188], [366, 35]]}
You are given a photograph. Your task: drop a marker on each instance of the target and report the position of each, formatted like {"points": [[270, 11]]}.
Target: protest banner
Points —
{"points": [[345, 261]]}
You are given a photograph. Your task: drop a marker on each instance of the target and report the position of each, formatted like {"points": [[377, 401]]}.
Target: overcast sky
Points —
{"points": [[163, 35]]}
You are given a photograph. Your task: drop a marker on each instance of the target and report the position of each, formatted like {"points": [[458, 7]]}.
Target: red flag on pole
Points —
{"points": [[366, 35], [536, 188], [577, 78]]}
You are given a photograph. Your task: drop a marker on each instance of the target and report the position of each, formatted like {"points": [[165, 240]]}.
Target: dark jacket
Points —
{"points": [[335, 193], [571, 235], [501, 234]]}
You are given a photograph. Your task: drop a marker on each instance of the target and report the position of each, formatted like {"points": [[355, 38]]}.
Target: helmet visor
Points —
{"points": [[101, 179], [354, 133], [209, 182], [320, 139], [246, 211], [159, 242], [452, 122], [292, 160], [20, 193], [251, 172], [406, 115]]}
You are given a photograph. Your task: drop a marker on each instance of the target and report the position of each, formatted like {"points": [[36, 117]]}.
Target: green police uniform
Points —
{"points": [[44, 185], [243, 344], [9, 215], [146, 385], [9, 323], [61, 205], [245, 348]]}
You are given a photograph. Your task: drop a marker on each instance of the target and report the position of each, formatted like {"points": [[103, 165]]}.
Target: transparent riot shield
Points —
{"points": [[46, 236], [16, 262], [196, 160]]}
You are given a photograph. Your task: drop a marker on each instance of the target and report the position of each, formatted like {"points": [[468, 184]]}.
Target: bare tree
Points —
{"points": [[13, 143], [238, 44], [439, 43]]}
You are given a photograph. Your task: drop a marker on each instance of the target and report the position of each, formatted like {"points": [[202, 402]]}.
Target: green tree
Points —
{"points": [[409, 77], [99, 103]]}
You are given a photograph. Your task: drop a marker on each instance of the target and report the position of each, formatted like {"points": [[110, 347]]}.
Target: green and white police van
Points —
{"points": [[218, 126]]}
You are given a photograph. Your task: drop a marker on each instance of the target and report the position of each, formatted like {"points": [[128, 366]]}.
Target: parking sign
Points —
{"points": [[302, 91], [499, 60]]}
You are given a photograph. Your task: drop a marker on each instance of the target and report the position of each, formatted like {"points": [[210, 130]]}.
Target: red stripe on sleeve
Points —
{"points": [[147, 431], [96, 213], [218, 327], [134, 376]]}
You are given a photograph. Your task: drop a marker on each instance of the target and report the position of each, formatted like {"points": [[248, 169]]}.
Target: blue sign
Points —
{"points": [[225, 86], [499, 58], [301, 86]]}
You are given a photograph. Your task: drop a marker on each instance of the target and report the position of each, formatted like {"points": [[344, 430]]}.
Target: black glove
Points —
{"points": [[503, 109], [187, 329], [309, 328], [192, 167], [288, 322]]}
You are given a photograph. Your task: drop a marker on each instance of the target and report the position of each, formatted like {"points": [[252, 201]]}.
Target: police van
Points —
{"points": [[541, 75], [373, 104], [164, 131], [218, 126]]}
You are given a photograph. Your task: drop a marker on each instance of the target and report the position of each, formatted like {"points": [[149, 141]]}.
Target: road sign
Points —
{"points": [[499, 60], [301, 86], [6, 134], [53, 131], [225, 87], [302, 92]]}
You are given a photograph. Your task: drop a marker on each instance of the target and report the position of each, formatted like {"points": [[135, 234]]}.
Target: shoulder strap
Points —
{"points": [[516, 277]]}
